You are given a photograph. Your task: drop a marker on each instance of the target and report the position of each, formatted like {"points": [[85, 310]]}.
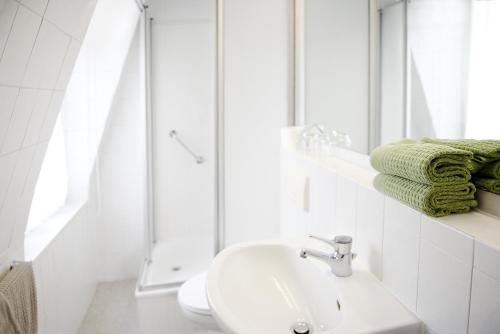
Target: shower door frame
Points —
{"points": [[219, 221]]}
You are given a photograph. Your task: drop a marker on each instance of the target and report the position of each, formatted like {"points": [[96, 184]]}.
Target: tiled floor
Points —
{"points": [[114, 311]]}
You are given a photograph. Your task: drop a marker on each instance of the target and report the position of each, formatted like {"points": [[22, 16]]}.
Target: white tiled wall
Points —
{"points": [[38, 6], [20, 41], [485, 307], [34, 51], [445, 273], [400, 255], [323, 186], [256, 107], [485, 300], [369, 229], [122, 157], [65, 275], [39, 42], [47, 57], [345, 206], [92, 87], [449, 279]]}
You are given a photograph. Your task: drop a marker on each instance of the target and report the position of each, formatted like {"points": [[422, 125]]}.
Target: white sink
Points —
{"points": [[266, 288]]}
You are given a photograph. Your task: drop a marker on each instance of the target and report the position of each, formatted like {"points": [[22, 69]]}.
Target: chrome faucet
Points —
{"points": [[340, 261]]}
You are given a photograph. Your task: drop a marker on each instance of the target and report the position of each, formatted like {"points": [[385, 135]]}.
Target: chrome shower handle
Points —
{"points": [[198, 158]]}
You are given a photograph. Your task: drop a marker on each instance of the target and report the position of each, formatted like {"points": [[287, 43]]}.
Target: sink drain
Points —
{"points": [[301, 328]]}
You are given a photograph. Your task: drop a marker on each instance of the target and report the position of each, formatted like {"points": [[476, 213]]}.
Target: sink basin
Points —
{"points": [[266, 288]]}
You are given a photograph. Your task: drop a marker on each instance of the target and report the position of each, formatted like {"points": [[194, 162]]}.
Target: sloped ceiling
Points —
{"points": [[39, 43]]}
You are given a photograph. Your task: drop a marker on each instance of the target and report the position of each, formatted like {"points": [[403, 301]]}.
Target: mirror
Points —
{"points": [[383, 70], [333, 66]]}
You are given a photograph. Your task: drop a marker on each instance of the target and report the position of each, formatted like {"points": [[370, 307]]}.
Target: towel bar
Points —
{"points": [[15, 263]]}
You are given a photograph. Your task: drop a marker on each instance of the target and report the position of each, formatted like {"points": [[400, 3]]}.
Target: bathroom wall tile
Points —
{"points": [[8, 10], [401, 251], [322, 202], [34, 156], [36, 166], [487, 259], [26, 195], [39, 268], [294, 190], [36, 5], [8, 96], [47, 57], [444, 282], [485, 305], [13, 205], [71, 16], [369, 229], [68, 65], [51, 115], [448, 239], [345, 206], [19, 46], [18, 124], [7, 163], [66, 263], [42, 103]]}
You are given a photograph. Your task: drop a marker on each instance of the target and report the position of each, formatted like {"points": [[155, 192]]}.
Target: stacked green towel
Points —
{"points": [[488, 184], [485, 160], [431, 178], [484, 151], [424, 163], [436, 201], [491, 170]]}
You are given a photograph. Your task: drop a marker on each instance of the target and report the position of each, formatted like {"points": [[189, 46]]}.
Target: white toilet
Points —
{"points": [[192, 299]]}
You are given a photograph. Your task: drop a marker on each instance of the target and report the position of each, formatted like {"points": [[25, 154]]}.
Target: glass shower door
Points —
{"points": [[183, 57]]}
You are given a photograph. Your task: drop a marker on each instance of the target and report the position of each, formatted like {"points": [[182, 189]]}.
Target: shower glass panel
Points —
{"points": [[183, 125]]}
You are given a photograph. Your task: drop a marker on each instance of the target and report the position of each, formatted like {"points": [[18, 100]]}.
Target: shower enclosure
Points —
{"points": [[184, 141]]}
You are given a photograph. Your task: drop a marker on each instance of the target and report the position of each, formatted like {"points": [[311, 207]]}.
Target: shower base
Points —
{"points": [[175, 261]]}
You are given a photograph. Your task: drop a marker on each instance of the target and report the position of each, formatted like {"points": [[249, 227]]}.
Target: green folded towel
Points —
{"points": [[491, 170], [435, 201], [490, 185], [484, 151], [423, 163]]}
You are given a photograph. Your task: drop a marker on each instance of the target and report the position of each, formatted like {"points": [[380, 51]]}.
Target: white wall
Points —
{"points": [[256, 107], [120, 173], [437, 267], [39, 41], [92, 88], [64, 251], [183, 99], [336, 71], [66, 274]]}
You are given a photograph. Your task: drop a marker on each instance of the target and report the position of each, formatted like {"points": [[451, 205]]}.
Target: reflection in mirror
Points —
{"points": [[392, 71], [333, 76], [431, 66], [439, 69]]}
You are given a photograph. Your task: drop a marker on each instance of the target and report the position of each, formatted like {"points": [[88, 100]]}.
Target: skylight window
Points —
{"points": [[52, 185]]}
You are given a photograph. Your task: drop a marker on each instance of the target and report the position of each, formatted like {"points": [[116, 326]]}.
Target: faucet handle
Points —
{"points": [[325, 240], [342, 244]]}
